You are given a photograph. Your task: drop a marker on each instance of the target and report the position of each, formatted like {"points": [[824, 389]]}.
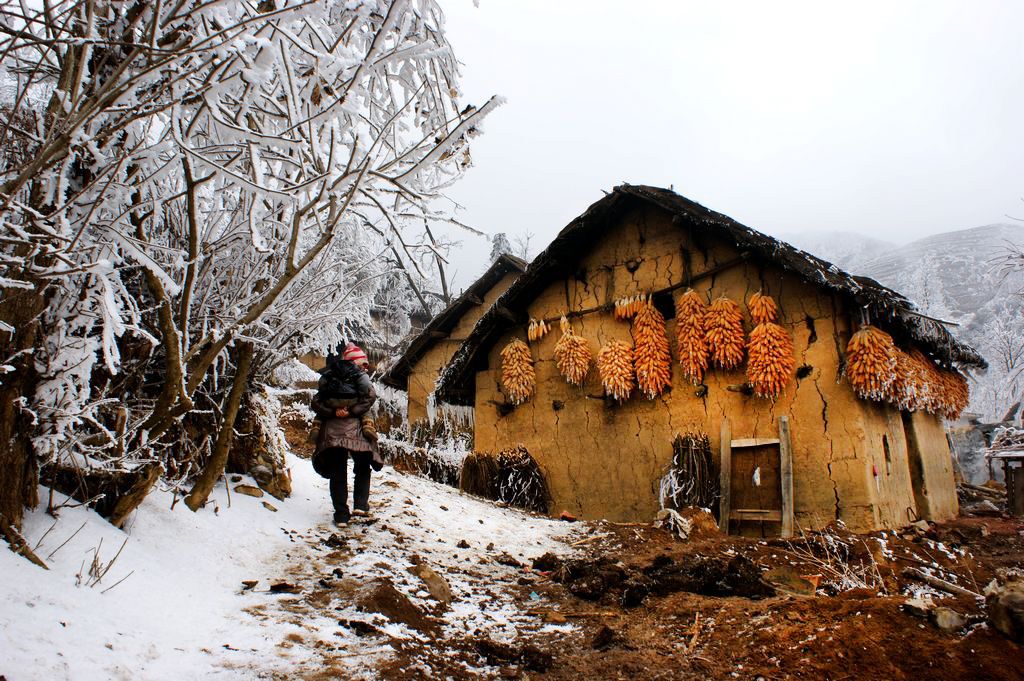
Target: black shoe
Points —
{"points": [[341, 517]]}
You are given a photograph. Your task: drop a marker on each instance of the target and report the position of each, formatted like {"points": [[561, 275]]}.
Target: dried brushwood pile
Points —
{"points": [[724, 332], [691, 340], [770, 355], [517, 375], [615, 364], [691, 479], [870, 362], [479, 475], [651, 357], [520, 481], [572, 355]]}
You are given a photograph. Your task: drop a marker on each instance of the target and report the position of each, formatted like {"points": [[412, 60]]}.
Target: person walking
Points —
{"points": [[341, 404]]}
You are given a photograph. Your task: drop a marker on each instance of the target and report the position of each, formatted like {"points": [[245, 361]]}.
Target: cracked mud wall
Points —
{"points": [[601, 459], [423, 377]]}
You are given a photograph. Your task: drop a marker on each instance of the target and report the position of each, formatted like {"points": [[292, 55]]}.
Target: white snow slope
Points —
{"points": [[181, 612]]}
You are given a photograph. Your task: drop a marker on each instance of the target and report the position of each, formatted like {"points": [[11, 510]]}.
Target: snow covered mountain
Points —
{"points": [[955, 276]]}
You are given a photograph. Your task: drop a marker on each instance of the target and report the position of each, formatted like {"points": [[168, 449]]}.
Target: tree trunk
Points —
{"points": [[20, 308], [218, 459]]}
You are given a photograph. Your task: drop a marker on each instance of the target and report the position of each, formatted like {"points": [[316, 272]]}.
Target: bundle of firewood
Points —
{"points": [[615, 364], [651, 358], [724, 332], [572, 355], [691, 340], [517, 375]]}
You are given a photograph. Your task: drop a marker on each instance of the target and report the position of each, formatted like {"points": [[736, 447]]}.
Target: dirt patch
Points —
{"points": [[382, 597]]}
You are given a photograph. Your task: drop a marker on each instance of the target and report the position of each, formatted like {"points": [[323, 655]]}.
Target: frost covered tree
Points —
{"points": [[189, 188]]}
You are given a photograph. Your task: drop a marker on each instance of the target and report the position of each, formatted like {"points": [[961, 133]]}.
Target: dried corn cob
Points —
{"points": [[615, 364], [928, 386], [690, 335], [957, 394], [908, 389], [870, 362], [572, 355], [651, 357], [762, 308], [518, 378], [724, 332], [770, 360], [538, 329]]}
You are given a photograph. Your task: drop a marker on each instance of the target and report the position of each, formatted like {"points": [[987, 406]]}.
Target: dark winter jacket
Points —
{"points": [[346, 432]]}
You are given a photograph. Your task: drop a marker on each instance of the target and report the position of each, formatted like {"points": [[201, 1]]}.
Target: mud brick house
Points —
{"points": [[867, 463], [430, 350]]}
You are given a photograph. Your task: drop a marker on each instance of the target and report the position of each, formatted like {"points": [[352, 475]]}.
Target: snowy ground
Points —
{"points": [[181, 610]]}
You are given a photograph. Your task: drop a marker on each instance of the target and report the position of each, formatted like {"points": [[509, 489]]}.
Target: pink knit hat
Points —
{"points": [[354, 353]]}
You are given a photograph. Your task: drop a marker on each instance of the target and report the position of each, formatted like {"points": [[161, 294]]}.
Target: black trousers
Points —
{"points": [[339, 480]]}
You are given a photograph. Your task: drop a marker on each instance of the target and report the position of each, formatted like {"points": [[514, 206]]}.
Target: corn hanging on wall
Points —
{"points": [[518, 378], [615, 364], [870, 362], [626, 308], [762, 308], [957, 394], [651, 357], [770, 360], [690, 336], [931, 387], [572, 355], [724, 332], [538, 329], [908, 389]]}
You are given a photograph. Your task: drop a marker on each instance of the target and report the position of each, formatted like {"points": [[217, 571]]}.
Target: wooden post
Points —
{"points": [[786, 476], [725, 474]]}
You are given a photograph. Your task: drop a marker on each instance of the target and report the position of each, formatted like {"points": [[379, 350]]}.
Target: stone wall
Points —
{"points": [[850, 457]]}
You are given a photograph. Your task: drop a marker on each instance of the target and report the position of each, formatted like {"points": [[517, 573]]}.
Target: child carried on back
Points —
{"points": [[343, 384]]}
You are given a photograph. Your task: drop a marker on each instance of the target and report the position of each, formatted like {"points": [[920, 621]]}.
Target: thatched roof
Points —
{"points": [[885, 307], [446, 320]]}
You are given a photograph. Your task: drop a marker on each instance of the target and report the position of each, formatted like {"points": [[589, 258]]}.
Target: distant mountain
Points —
{"points": [[848, 250], [956, 277]]}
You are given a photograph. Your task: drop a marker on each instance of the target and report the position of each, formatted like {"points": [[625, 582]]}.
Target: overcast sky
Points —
{"points": [[892, 119]]}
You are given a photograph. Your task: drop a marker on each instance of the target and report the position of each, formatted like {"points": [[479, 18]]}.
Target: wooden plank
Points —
{"points": [[786, 475], [756, 514], [725, 473], [754, 442]]}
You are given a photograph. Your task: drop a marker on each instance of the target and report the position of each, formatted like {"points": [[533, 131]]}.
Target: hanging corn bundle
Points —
{"points": [[537, 330], [770, 359], [626, 308], [517, 375], [572, 355], [651, 357], [615, 364], [957, 394], [690, 336], [909, 389], [870, 362], [724, 332], [762, 308], [930, 386]]}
